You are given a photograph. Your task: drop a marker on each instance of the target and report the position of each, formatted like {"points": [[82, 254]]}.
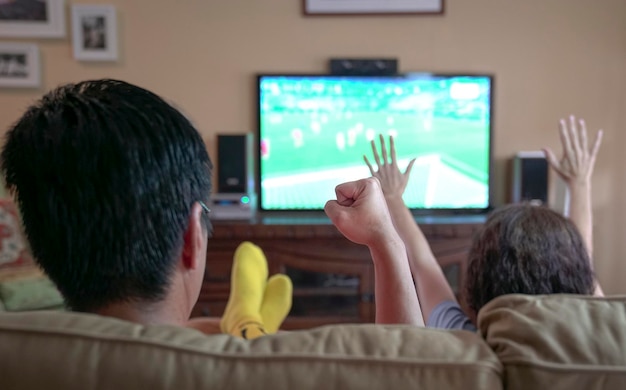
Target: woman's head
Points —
{"points": [[525, 249]]}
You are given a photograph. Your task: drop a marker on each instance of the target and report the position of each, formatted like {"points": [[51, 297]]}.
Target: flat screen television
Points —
{"points": [[313, 131]]}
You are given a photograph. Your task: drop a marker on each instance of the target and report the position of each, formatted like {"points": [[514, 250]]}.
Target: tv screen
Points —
{"points": [[315, 129]]}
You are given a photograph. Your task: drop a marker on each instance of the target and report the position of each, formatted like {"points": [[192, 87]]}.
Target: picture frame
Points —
{"points": [[372, 7], [20, 65], [32, 19], [94, 32]]}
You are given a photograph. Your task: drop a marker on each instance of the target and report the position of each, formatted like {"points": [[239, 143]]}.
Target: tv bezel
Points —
{"points": [[415, 211]]}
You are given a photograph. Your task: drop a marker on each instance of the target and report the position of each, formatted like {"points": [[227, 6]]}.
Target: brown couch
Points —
{"points": [[556, 342]]}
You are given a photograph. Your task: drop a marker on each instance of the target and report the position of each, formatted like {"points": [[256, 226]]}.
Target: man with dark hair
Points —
{"points": [[521, 248], [112, 182]]}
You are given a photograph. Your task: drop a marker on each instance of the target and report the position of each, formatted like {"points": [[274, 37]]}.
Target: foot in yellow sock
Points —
{"points": [[276, 302], [242, 317]]}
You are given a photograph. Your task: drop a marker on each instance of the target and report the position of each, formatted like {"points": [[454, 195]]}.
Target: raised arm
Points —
{"points": [[576, 168], [432, 286], [360, 214]]}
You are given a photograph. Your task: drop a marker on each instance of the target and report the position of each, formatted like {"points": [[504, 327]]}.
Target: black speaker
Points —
{"points": [[235, 163], [530, 178], [363, 66]]}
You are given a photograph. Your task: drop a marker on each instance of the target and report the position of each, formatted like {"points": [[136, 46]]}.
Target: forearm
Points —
{"points": [[581, 214], [431, 284], [416, 244], [396, 300]]}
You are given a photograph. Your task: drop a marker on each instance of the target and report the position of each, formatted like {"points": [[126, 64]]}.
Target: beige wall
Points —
{"points": [[550, 59]]}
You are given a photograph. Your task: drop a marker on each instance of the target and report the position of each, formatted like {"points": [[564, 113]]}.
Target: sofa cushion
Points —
{"points": [[81, 351], [558, 341]]}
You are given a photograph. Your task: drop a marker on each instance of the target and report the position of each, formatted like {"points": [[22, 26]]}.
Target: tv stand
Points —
{"points": [[333, 278]]}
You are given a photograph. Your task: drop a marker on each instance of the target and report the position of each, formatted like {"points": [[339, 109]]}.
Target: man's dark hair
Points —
{"points": [[105, 174], [526, 249]]}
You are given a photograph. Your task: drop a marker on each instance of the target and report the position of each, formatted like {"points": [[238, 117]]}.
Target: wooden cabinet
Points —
{"points": [[333, 277]]}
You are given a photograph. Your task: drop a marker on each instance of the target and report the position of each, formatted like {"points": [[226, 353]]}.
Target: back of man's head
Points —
{"points": [[105, 174]]}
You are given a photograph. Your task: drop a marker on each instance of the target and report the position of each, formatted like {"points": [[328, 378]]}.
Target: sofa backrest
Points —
{"points": [[559, 341], [40, 350]]}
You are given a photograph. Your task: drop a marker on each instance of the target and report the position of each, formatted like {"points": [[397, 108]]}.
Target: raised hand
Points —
{"points": [[575, 168], [392, 181], [360, 212], [361, 215], [578, 159]]}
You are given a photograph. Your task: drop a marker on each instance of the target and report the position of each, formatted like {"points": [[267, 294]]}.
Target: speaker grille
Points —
{"points": [[530, 180], [234, 163]]}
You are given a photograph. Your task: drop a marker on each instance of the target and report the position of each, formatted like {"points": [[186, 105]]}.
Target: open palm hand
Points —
{"points": [[393, 182], [576, 164]]}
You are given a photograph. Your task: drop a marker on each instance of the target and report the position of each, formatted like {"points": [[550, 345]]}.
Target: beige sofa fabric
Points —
{"points": [[77, 351], [564, 341]]}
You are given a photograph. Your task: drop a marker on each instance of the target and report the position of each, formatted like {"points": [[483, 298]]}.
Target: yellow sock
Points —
{"points": [[242, 317], [276, 302]]}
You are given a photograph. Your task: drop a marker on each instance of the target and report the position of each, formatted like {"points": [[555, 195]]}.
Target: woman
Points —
{"points": [[520, 249]]}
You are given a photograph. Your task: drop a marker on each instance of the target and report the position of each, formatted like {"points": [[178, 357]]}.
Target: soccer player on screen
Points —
{"points": [[340, 141], [425, 108], [265, 148], [297, 137]]}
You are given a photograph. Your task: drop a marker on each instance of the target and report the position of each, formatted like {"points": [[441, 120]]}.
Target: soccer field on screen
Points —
{"points": [[451, 159]]}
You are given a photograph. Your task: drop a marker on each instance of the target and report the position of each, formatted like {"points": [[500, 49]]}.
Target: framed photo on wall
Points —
{"points": [[32, 18], [20, 66], [94, 32], [372, 7]]}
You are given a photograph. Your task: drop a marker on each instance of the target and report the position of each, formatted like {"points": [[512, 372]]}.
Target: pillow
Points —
{"points": [[14, 251], [34, 293]]}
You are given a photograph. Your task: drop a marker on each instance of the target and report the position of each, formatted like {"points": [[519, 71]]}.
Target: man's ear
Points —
{"points": [[194, 236]]}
